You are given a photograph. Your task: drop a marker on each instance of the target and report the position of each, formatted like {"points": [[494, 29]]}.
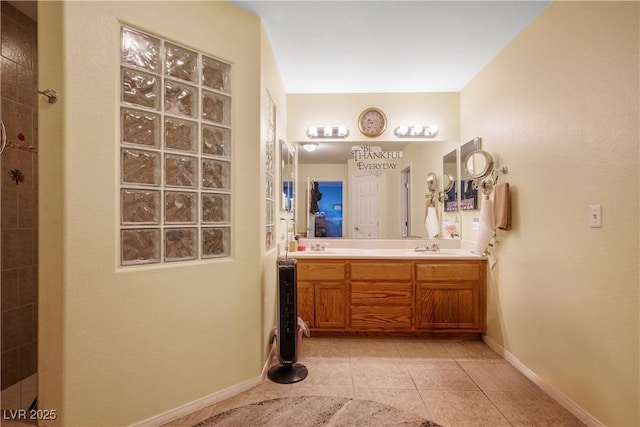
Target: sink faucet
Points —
{"points": [[428, 247], [315, 246], [432, 247]]}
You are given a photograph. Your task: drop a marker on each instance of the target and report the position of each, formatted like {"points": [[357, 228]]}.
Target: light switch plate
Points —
{"points": [[595, 215]]}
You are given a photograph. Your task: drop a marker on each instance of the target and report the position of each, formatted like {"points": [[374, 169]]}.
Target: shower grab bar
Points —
{"points": [[3, 136]]}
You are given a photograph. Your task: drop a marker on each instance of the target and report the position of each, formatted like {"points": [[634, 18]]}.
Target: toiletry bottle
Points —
{"points": [[293, 244]]}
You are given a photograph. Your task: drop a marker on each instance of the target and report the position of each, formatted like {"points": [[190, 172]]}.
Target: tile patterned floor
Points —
{"points": [[453, 383]]}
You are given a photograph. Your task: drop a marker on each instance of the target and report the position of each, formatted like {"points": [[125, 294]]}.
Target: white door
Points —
{"points": [[365, 212]]}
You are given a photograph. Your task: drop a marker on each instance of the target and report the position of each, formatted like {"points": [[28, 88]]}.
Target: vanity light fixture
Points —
{"points": [[417, 131], [310, 146], [327, 132]]}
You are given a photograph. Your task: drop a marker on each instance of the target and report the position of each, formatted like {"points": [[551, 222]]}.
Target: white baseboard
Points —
{"points": [[196, 405], [563, 400], [267, 363]]}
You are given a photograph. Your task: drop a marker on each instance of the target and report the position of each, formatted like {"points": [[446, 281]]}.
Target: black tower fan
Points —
{"points": [[288, 371]]}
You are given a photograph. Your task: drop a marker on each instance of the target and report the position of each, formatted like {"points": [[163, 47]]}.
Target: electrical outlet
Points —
{"points": [[595, 216]]}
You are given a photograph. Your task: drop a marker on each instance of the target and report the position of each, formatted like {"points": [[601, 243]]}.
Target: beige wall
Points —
{"points": [[50, 193], [271, 86], [121, 345], [559, 106], [442, 109]]}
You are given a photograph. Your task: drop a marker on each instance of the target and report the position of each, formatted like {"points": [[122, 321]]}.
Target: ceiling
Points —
{"points": [[387, 46], [372, 46]]}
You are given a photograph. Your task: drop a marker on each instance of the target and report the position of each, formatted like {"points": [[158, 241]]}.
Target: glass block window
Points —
{"points": [[269, 172], [175, 152]]}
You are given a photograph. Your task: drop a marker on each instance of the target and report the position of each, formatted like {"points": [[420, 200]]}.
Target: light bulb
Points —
{"points": [[313, 131], [328, 131], [310, 146]]}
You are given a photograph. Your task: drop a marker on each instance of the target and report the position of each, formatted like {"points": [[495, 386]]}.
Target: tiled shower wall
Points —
{"points": [[19, 196]]}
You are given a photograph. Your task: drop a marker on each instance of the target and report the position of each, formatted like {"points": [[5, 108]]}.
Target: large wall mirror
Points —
{"points": [[287, 176], [390, 204]]}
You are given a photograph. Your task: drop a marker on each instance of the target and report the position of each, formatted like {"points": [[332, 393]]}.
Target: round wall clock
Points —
{"points": [[372, 122]]}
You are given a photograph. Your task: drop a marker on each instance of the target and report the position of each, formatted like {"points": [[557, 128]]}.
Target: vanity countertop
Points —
{"points": [[349, 253]]}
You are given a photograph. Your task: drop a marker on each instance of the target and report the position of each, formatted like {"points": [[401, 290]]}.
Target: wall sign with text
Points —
{"points": [[374, 160]]}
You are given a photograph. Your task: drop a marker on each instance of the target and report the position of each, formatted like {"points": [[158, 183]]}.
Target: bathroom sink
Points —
{"points": [[443, 253], [384, 253], [447, 252]]}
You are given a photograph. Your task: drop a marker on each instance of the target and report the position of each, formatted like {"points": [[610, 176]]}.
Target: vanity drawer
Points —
{"points": [[381, 293], [381, 317], [311, 271], [380, 271], [450, 271]]}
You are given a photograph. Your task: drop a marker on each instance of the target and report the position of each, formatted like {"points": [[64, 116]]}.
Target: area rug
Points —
{"points": [[312, 411]]}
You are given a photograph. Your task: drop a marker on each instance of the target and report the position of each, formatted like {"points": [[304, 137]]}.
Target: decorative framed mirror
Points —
{"points": [[468, 192], [432, 182], [478, 164], [450, 181]]}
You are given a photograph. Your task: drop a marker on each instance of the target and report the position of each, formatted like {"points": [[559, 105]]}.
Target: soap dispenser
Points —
{"points": [[293, 243]]}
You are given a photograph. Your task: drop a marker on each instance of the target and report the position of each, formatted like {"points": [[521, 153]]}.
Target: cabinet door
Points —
{"points": [[448, 306], [305, 303], [330, 305]]}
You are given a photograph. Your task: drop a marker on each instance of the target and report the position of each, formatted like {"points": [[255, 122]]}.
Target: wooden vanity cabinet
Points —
{"points": [[322, 294], [451, 295], [381, 296]]}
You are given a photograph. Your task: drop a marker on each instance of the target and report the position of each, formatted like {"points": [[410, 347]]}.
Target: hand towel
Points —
{"points": [[486, 228], [502, 206], [431, 223]]}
